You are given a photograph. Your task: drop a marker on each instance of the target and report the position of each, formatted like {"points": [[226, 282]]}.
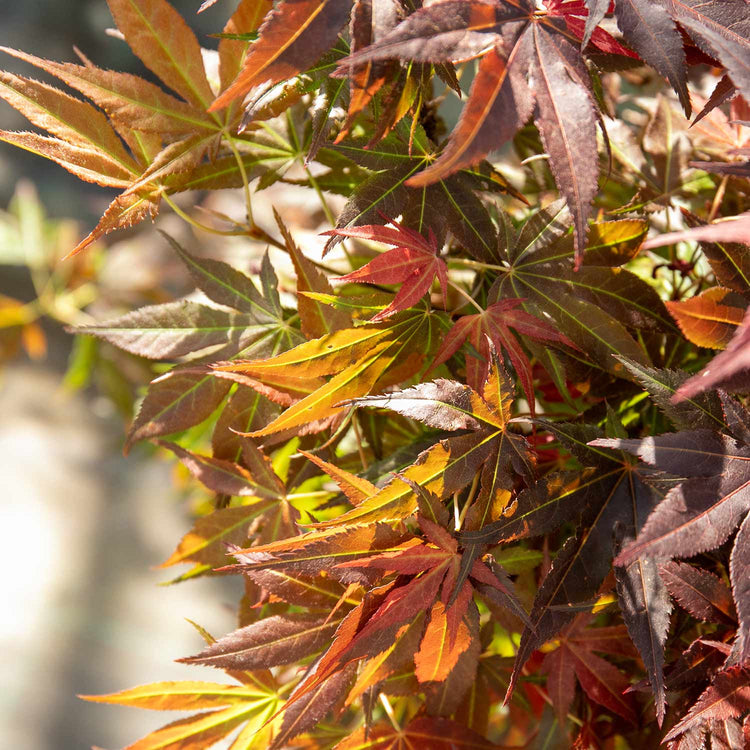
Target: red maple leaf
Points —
{"points": [[574, 13], [574, 659], [493, 327], [413, 262]]}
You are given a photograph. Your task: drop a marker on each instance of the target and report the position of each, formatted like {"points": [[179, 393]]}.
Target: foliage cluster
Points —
{"points": [[484, 480]]}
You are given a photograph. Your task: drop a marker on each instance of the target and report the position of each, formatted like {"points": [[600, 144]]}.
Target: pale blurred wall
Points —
{"points": [[80, 526]]}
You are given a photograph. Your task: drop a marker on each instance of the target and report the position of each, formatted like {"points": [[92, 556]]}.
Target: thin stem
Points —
{"points": [[389, 711], [718, 198], [476, 264], [360, 447], [469, 501], [342, 427], [245, 181], [466, 295], [198, 225]]}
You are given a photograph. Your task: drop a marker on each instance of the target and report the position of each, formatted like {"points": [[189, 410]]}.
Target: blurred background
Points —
{"points": [[81, 527]]}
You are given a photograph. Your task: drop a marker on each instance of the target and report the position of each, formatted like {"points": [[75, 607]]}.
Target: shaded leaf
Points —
{"points": [[574, 660], [206, 543], [316, 319], [654, 36], [175, 329], [698, 412], [303, 714], [591, 306], [703, 510], [741, 592], [567, 126], [275, 640], [720, 29], [612, 496], [645, 607], [175, 401], [698, 591], [450, 204], [727, 696], [221, 476]]}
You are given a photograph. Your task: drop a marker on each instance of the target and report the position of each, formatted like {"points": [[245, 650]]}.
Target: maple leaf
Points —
{"points": [[172, 143], [421, 733], [355, 488], [610, 494], [518, 45], [236, 34], [292, 37], [188, 394], [205, 545], [135, 108], [302, 715], [574, 658], [448, 205], [429, 586], [491, 449], [414, 262], [227, 478], [710, 318], [275, 640], [316, 319], [734, 229], [594, 306], [654, 36], [723, 91], [727, 697], [727, 370], [400, 89], [231, 706], [311, 553], [358, 359], [721, 30], [492, 327], [576, 16], [699, 592], [729, 261], [704, 411], [702, 510], [701, 458]]}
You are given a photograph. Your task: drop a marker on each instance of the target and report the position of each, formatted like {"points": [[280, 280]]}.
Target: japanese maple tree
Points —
{"points": [[480, 452]]}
